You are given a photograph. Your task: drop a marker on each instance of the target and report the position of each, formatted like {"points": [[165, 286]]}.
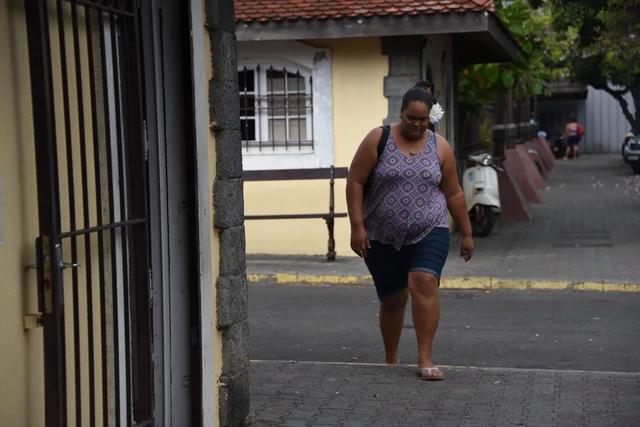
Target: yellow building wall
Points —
{"points": [[358, 71], [21, 363], [216, 335]]}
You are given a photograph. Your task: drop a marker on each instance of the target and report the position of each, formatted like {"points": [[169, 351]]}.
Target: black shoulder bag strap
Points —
{"points": [[383, 139], [381, 144]]}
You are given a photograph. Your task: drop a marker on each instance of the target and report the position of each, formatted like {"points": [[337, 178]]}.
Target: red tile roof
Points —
{"points": [[278, 10]]}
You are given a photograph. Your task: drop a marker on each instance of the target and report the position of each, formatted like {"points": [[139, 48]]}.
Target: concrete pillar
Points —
{"points": [[405, 65]]}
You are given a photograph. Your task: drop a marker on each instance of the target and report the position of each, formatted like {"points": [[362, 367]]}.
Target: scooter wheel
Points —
{"points": [[483, 220]]}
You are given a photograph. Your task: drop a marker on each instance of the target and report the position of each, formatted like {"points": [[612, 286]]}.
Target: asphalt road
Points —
{"points": [[509, 329]]}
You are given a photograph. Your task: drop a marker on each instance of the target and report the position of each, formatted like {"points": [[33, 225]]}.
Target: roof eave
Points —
{"points": [[480, 33]]}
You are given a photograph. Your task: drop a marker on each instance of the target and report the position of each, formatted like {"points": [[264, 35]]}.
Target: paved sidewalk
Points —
{"points": [[585, 234], [329, 394]]}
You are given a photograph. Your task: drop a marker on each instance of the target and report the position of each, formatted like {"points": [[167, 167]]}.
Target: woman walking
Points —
{"points": [[573, 134], [397, 200]]}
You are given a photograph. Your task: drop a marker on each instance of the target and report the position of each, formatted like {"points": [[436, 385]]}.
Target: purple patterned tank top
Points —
{"points": [[404, 201]]}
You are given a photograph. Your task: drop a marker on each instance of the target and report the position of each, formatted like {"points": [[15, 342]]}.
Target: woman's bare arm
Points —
{"points": [[455, 197], [364, 161]]}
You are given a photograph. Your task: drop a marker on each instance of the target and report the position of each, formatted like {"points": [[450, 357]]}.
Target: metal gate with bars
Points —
{"points": [[93, 249]]}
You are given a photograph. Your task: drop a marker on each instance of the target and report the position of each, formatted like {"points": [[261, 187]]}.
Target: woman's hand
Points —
{"points": [[360, 241], [466, 248]]}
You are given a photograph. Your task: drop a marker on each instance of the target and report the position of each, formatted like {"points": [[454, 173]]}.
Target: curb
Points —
{"points": [[482, 283], [496, 369]]}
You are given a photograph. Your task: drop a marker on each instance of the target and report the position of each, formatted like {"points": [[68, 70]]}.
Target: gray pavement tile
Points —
{"points": [[331, 412], [326, 420], [564, 406], [251, 421], [270, 416], [296, 414], [361, 418], [294, 423]]}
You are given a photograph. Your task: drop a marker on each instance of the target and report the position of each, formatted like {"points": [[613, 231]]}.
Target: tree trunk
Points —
{"points": [[635, 94], [634, 89]]}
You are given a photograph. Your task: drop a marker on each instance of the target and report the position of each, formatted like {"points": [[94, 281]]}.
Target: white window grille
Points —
{"points": [[276, 109]]}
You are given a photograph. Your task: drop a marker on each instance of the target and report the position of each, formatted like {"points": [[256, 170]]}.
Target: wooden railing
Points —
{"points": [[331, 174]]}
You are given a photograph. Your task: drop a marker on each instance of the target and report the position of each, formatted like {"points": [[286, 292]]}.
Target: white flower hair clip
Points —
{"points": [[436, 113]]}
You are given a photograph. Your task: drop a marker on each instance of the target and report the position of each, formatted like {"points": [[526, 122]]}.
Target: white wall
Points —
{"points": [[605, 122]]}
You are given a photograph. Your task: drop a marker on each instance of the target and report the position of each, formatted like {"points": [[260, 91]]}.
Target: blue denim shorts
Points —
{"points": [[573, 140], [390, 268]]}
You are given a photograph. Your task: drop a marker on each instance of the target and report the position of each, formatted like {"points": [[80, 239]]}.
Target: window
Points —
{"points": [[276, 109], [286, 104]]}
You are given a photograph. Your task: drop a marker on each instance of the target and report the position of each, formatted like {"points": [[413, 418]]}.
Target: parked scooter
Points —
{"points": [[558, 146], [480, 186]]}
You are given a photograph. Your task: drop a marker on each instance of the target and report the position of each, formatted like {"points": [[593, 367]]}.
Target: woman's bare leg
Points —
{"points": [[391, 322], [425, 310]]}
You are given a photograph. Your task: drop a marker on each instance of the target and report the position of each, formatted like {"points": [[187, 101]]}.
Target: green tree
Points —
{"points": [[606, 52], [541, 52]]}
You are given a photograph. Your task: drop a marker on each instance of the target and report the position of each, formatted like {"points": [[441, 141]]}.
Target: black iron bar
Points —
{"points": [[270, 113], [55, 387], [286, 115], [243, 106], [104, 227], [246, 107], [310, 108], [258, 105], [75, 309], [107, 138], [144, 373], [85, 211], [298, 102], [102, 7], [98, 195], [120, 123]]}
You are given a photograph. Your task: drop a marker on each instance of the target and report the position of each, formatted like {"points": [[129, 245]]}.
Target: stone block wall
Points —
{"points": [[405, 69], [231, 284]]}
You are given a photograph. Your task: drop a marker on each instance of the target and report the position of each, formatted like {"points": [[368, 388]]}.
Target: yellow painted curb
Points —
{"points": [[465, 283], [321, 279], [310, 279], [473, 282], [253, 278], [622, 287], [589, 286]]}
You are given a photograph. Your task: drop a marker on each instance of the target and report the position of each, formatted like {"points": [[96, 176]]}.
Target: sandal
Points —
{"points": [[430, 374]]}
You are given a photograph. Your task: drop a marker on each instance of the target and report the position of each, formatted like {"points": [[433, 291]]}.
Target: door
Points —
{"points": [[93, 250]]}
